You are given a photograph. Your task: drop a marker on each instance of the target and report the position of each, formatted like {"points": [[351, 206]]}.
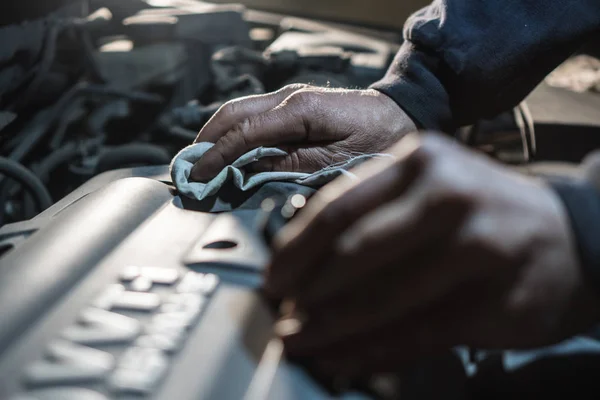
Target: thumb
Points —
{"points": [[286, 123], [235, 111]]}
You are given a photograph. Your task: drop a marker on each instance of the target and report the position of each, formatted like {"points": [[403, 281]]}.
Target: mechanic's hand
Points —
{"points": [[440, 247], [316, 126]]}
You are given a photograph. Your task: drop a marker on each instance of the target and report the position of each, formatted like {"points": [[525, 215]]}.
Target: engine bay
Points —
{"points": [[129, 84], [100, 256], [101, 85]]}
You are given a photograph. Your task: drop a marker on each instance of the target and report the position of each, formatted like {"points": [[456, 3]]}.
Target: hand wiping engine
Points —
{"points": [[183, 162]]}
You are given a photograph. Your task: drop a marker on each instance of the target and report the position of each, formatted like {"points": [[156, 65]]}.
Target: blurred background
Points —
{"points": [[381, 13], [90, 86]]}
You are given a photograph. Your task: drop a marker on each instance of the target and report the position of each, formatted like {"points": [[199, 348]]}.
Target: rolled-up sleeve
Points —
{"points": [[468, 59]]}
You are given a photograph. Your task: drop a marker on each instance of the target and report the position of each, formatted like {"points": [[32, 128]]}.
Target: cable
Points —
{"points": [[18, 172], [524, 121], [530, 125], [42, 70], [57, 158], [46, 118], [183, 133]]}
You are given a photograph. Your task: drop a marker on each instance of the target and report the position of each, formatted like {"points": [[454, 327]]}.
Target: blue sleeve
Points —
{"points": [[463, 60]]}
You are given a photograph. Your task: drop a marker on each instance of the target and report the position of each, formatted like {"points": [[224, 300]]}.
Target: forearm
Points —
{"points": [[467, 59]]}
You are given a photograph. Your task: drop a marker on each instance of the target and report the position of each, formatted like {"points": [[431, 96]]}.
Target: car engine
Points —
{"points": [[114, 286], [127, 84]]}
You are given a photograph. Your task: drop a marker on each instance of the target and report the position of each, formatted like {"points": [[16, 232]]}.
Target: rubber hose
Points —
{"points": [[60, 156], [132, 154], [18, 172], [183, 133]]}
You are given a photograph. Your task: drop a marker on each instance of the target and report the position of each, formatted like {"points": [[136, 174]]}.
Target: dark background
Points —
{"points": [[15, 11]]}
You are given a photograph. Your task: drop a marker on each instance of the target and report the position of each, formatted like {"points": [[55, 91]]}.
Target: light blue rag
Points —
{"points": [[183, 162]]}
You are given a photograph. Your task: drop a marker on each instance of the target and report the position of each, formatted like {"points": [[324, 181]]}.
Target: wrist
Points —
{"points": [[399, 122], [412, 81]]}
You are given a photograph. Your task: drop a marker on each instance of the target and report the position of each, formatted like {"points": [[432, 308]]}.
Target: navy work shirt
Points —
{"points": [[463, 60]]}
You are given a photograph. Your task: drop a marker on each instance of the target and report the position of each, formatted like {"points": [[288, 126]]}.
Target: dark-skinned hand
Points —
{"points": [[437, 248], [316, 126]]}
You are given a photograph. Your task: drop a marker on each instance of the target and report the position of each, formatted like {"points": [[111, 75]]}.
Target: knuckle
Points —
{"points": [[411, 151], [444, 197], [450, 189], [218, 152], [303, 98], [429, 148], [240, 131], [243, 127], [228, 142], [410, 161], [230, 109]]}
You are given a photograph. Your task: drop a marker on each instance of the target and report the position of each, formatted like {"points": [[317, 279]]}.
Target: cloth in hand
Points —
{"points": [[183, 162]]}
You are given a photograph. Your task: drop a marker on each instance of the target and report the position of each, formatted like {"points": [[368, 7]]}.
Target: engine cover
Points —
{"points": [[125, 290], [119, 290]]}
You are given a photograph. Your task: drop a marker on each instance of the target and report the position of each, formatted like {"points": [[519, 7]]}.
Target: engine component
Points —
{"points": [[180, 319], [150, 73], [221, 25], [509, 137], [131, 155], [312, 42], [28, 180], [129, 66], [153, 72], [120, 288]]}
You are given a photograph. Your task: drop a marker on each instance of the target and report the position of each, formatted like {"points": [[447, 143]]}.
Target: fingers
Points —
{"points": [[301, 159], [235, 111], [288, 122], [385, 239], [383, 353], [359, 118], [381, 301], [428, 332], [306, 241]]}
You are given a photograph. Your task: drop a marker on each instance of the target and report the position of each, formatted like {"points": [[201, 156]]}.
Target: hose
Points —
{"points": [[183, 133], [46, 118], [41, 72], [132, 154], [18, 172], [58, 157]]}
